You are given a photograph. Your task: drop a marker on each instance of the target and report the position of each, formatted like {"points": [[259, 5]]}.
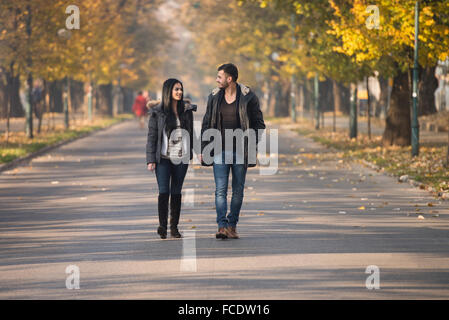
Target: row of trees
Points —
{"points": [[282, 43], [119, 44]]}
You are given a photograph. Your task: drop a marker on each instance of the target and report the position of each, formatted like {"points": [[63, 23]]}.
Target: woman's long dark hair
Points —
{"points": [[167, 98]]}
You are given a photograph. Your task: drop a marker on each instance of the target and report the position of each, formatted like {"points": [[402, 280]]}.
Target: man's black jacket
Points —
{"points": [[249, 115]]}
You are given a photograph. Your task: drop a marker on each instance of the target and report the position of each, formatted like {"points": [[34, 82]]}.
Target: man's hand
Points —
{"points": [[151, 166]]}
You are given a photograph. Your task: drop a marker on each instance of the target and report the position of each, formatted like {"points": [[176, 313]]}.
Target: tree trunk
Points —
{"points": [[271, 100], [104, 102], [56, 103], [398, 125], [76, 95], [13, 83], [301, 99], [383, 99], [342, 97], [282, 96], [4, 101], [337, 97], [326, 96], [427, 85], [280, 99], [308, 96], [128, 97], [369, 108], [3, 95]]}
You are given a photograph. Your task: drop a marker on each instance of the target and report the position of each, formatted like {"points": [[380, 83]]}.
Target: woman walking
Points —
{"points": [[169, 149]]}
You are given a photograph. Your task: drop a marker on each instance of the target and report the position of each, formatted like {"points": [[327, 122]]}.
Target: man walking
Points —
{"points": [[230, 107]]}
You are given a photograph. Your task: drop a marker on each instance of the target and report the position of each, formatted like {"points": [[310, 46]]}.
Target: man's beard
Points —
{"points": [[224, 85]]}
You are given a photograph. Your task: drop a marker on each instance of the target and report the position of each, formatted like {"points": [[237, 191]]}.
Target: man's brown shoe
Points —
{"points": [[232, 233], [221, 234]]}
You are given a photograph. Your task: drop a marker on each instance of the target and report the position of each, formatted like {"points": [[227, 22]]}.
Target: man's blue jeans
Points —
{"points": [[221, 176]]}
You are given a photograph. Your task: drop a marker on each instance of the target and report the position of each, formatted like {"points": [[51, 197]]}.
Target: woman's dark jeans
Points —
{"points": [[170, 177]]}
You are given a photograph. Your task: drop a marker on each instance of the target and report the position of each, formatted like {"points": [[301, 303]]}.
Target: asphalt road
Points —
{"points": [[307, 232]]}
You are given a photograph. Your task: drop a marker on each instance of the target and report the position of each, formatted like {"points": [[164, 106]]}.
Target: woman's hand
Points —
{"points": [[151, 166]]}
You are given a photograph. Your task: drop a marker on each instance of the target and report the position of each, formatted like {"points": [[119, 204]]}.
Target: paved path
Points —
{"points": [[93, 204]]}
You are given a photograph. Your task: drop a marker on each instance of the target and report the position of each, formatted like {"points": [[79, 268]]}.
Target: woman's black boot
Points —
{"points": [[162, 207], [175, 212]]}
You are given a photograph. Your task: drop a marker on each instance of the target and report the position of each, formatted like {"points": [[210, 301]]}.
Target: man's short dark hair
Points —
{"points": [[230, 69]]}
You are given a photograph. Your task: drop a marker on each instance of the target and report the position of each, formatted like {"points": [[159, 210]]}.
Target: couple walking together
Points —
{"points": [[230, 106]]}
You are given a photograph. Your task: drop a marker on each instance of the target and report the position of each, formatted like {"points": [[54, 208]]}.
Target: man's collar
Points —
{"points": [[243, 89]]}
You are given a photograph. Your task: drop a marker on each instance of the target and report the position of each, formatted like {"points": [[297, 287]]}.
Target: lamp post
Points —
{"points": [[89, 92], [415, 124], [65, 97], [65, 35], [293, 80], [353, 113], [29, 95], [317, 101]]}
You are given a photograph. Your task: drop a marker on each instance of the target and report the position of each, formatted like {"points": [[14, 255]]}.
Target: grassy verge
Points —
{"points": [[428, 168], [19, 145]]}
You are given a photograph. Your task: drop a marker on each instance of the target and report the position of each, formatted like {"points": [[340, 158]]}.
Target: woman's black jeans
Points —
{"points": [[170, 177]]}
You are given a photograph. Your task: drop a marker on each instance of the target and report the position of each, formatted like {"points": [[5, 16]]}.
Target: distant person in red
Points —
{"points": [[140, 109]]}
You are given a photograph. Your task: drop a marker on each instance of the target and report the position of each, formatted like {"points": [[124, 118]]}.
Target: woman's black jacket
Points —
{"points": [[156, 124]]}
